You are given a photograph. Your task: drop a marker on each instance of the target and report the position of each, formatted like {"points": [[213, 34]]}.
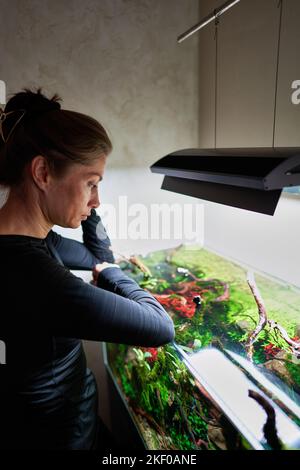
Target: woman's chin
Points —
{"points": [[74, 223]]}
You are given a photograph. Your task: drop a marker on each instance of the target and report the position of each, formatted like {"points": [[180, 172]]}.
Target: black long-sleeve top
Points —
{"points": [[45, 310], [43, 299]]}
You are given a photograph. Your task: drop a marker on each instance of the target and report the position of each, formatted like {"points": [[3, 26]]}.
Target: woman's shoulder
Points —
{"points": [[8, 239], [31, 259]]}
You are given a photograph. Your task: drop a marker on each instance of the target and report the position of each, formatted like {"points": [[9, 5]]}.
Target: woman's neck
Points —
{"points": [[20, 215]]}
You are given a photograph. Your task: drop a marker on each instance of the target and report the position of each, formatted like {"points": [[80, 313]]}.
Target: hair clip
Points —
{"points": [[4, 116]]}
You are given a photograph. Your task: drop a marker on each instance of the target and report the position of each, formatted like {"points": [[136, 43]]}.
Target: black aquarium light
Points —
{"points": [[250, 179]]}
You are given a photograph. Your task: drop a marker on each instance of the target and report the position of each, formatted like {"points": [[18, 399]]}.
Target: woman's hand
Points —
{"points": [[100, 267], [96, 239]]}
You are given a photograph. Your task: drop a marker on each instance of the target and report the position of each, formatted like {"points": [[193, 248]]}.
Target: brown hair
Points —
{"points": [[63, 137]]}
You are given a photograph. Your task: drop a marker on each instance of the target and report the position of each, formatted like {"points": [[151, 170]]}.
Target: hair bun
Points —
{"points": [[33, 102]]}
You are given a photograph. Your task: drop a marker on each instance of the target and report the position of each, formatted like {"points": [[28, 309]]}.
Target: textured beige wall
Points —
{"points": [[246, 78], [247, 58], [288, 114], [245, 74], [117, 60], [242, 78]]}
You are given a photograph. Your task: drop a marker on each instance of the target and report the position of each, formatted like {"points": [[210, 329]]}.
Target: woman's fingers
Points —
{"points": [[100, 267]]}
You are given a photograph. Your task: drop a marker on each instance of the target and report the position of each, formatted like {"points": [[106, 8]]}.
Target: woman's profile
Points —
{"points": [[52, 161]]}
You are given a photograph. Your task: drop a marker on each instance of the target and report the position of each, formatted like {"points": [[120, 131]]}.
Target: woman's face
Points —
{"points": [[73, 196]]}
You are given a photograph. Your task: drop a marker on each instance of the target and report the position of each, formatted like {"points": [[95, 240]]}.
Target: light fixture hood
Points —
{"points": [[249, 179]]}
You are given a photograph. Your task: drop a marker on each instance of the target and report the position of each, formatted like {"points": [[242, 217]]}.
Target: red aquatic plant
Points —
{"points": [[271, 350], [153, 352], [186, 296], [184, 306], [295, 338]]}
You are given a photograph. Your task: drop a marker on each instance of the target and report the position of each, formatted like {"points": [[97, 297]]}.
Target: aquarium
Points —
{"points": [[231, 379]]}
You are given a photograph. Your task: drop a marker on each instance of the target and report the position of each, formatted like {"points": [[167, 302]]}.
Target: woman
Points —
{"points": [[52, 161]]}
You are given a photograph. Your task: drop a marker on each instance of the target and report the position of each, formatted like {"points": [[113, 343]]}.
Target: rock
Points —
{"points": [[130, 356], [278, 367], [283, 355], [149, 435], [244, 325], [287, 356], [216, 436]]}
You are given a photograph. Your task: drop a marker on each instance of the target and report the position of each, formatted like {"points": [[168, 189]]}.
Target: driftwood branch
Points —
{"points": [[263, 321], [171, 252], [187, 424], [186, 286], [225, 295], [262, 315], [135, 261], [295, 345]]}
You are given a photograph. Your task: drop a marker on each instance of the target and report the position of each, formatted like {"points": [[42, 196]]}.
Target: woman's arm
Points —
{"points": [[70, 253], [77, 255], [117, 310]]}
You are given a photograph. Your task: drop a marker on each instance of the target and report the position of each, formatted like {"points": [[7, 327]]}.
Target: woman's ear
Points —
{"points": [[40, 172]]}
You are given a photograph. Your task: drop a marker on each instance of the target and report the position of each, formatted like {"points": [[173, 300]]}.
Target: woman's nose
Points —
{"points": [[95, 201]]}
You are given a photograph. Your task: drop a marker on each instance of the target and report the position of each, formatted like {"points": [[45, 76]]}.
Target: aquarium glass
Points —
{"points": [[239, 322]]}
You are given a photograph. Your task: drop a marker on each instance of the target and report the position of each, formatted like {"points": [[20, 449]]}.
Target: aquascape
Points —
{"points": [[231, 379]]}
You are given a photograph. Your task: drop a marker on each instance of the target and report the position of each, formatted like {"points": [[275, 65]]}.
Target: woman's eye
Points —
{"points": [[92, 185]]}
